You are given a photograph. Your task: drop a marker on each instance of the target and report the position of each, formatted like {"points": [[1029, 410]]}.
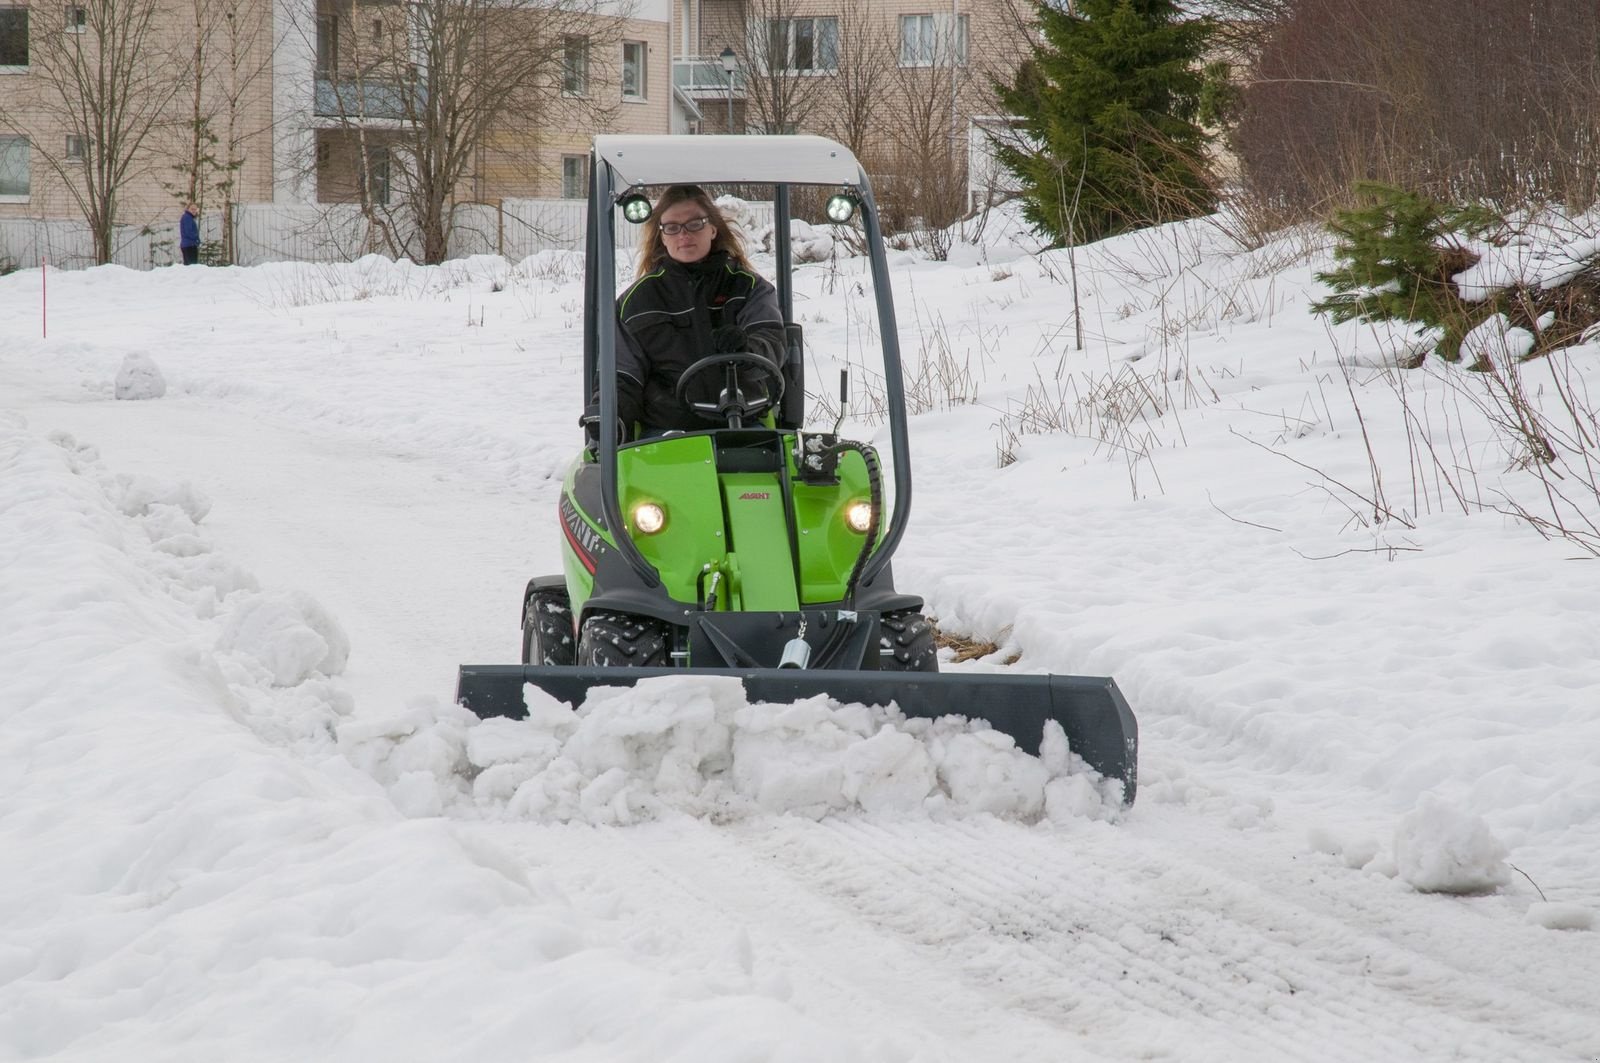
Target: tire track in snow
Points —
{"points": [[1098, 934], [681, 890]]}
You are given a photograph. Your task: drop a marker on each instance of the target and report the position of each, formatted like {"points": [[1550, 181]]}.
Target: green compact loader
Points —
{"points": [[756, 548]]}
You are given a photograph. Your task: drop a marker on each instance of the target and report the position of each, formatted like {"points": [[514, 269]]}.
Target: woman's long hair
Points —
{"points": [[652, 252]]}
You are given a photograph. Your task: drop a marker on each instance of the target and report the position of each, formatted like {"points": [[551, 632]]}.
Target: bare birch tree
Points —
{"points": [[928, 165], [101, 74], [425, 90], [792, 59], [230, 56], [866, 71]]}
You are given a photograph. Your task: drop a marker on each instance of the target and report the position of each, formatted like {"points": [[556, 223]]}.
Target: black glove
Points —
{"points": [[729, 339], [590, 423], [630, 410]]}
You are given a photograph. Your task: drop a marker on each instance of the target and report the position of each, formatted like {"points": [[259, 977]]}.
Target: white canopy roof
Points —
{"points": [[681, 160]]}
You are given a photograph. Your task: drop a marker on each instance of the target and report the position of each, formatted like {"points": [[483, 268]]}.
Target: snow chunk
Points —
{"points": [[1499, 343], [984, 769], [1356, 852], [140, 378], [1553, 915], [140, 495], [290, 635], [889, 772], [1442, 849]]}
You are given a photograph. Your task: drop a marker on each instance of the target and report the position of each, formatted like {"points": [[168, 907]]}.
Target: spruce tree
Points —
{"points": [[1397, 254], [1107, 103]]}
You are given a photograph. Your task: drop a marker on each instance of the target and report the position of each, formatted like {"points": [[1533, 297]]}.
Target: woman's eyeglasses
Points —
{"points": [[693, 225]]}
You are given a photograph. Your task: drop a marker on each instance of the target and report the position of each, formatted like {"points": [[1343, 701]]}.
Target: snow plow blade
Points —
{"points": [[1099, 726]]}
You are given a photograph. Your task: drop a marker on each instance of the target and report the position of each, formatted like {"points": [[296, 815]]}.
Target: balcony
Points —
{"points": [[702, 77], [367, 98]]}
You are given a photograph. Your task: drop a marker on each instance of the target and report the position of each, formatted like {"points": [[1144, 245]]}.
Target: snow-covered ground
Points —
{"points": [[242, 820]]}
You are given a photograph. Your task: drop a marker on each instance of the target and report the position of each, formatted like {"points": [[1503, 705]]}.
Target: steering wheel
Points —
{"points": [[732, 406]]}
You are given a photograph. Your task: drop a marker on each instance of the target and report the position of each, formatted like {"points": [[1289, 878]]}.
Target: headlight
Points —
{"points": [[635, 207], [859, 516], [841, 208], [649, 518]]}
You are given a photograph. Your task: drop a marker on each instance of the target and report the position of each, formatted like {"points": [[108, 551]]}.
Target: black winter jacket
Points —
{"points": [[664, 324]]}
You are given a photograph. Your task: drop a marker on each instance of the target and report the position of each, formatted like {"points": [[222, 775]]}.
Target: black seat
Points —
{"points": [[792, 409]]}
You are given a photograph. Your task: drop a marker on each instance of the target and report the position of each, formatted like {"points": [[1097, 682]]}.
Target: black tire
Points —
{"points": [[547, 628], [905, 643], [621, 640]]}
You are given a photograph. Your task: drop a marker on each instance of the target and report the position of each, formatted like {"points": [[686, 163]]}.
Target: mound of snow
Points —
{"points": [[1442, 849], [697, 745], [140, 378], [139, 496], [290, 635]]}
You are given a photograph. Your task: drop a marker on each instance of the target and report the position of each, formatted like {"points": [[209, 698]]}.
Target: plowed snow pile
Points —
{"points": [[696, 745]]}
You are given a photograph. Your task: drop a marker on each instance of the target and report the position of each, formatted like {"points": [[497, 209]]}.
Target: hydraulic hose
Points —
{"points": [[869, 458]]}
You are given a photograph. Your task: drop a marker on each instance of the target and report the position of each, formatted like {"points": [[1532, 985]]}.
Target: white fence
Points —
{"points": [[270, 232], [70, 245]]}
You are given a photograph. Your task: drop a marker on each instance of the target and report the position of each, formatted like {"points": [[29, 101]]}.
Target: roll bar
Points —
{"points": [[600, 344]]}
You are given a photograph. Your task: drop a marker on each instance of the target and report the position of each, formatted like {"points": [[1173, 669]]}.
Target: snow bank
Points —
{"points": [[1546, 252], [697, 745]]}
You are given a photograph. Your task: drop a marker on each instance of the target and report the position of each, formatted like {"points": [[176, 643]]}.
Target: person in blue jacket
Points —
{"points": [[189, 235]]}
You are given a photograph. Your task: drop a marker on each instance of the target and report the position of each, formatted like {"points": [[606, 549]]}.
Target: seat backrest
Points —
{"points": [[793, 408]]}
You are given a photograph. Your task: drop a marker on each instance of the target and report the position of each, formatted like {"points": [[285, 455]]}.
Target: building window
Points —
{"points": [[13, 36], [377, 176], [77, 18], [377, 31], [327, 46], [575, 66], [574, 176], [633, 80], [14, 183], [803, 45], [77, 146], [933, 40]]}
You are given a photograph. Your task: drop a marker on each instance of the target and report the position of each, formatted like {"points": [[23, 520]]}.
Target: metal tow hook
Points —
{"points": [[797, 652]]}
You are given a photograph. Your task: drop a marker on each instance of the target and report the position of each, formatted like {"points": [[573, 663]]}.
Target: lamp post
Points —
{"points": [[729, 61]]}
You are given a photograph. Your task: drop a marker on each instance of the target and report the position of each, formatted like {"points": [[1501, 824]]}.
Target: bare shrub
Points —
{"points": [[1499, 102], [943, 374]]}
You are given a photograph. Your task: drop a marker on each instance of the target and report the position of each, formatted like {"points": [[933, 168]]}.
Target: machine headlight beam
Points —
{"points": [[649, 517], [841, 207], [858, 515], [635, 207]]}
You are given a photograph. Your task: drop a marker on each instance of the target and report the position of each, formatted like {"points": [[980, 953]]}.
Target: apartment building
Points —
{"points": [[902, 82], [553, 75], [305, 102], [177, 103], [302, 101]]}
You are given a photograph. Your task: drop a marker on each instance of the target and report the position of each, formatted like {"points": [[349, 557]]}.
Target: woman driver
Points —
{"points": [[696, 295]]}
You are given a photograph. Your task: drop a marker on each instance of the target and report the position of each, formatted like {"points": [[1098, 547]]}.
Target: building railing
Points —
{"points": [[703, 76], [367, 98]]}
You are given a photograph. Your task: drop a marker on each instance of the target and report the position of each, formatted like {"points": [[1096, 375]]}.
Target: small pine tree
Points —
{"points": [[1108, 103], [1397, 253]]}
